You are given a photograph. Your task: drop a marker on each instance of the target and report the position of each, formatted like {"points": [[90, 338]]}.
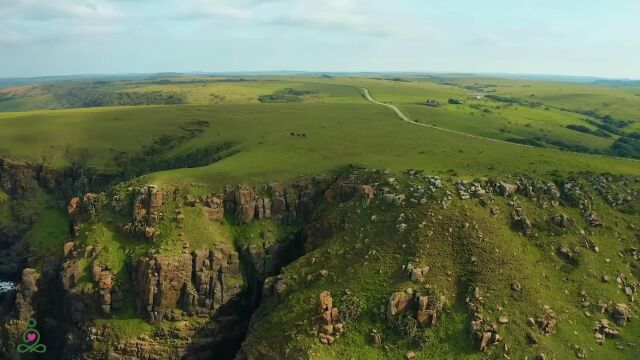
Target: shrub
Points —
{"points": [[530, 142], [285, 95], [408, 326], [350, 306]]}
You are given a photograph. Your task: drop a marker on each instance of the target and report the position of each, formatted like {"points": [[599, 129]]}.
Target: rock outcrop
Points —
{"points": [[197, 283], [18, 179], [367, 194], [26, 293], [213, 208], [330, 326], [621, 314], [428, 309], [506, 189], [397, 304]]}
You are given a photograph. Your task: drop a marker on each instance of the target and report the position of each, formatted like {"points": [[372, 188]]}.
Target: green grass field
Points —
{"points": [[340, 128]]}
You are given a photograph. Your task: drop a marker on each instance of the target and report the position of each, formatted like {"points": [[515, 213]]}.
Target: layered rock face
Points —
{"points": [[19, 178], [286, 205], [197, 283]]}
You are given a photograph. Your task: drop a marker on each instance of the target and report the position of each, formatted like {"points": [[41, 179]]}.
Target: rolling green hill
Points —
{"points": [[227, 206]]}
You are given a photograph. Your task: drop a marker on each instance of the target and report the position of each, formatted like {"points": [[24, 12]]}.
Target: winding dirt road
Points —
{"points": [[403, 117]]}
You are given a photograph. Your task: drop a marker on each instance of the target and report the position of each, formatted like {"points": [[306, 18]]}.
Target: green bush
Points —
{"points": [[285, 96], [350, 306], [408, 326]]}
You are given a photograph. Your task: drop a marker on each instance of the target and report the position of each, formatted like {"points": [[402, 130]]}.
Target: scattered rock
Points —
{"points": [[547, 322], [506, 189], [621, 314], [561, 220]]}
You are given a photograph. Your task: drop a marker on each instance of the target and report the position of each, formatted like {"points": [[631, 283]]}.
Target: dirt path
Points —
{"points": [[403, 117]]}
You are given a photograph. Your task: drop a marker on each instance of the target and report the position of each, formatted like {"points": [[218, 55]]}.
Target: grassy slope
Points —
{"points": [[97, 129], [367, 260], [620, 102]]}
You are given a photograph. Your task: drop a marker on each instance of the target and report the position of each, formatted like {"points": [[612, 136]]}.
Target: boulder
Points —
{"points": [[490, 337], [397, 304], [73, 210], [418, 274], [547, 322], [366, 194], [68, 248], [427, 315], [506, 189], [621, 314], [325, 302], [562, 221]]}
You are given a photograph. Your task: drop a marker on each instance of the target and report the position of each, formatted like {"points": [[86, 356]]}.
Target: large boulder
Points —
{"points": [[366, 194], [621, 314], [428, 309], [506, 189], [325, 303], [397, 304]]}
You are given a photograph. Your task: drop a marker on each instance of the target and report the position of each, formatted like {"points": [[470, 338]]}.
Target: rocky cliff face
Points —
{"points": [[19, 178], [220, 285], [288, 205], [198, 283]]}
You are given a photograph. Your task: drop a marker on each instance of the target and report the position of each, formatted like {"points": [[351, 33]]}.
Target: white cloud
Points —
{"points": [[351, 15], [35, 21], [46, 10]]}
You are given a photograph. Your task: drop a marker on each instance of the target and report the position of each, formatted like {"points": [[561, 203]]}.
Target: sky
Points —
{"points": [[562, 37]]}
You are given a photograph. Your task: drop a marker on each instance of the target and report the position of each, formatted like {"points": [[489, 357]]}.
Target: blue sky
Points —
{"points": [[571, 37]]}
